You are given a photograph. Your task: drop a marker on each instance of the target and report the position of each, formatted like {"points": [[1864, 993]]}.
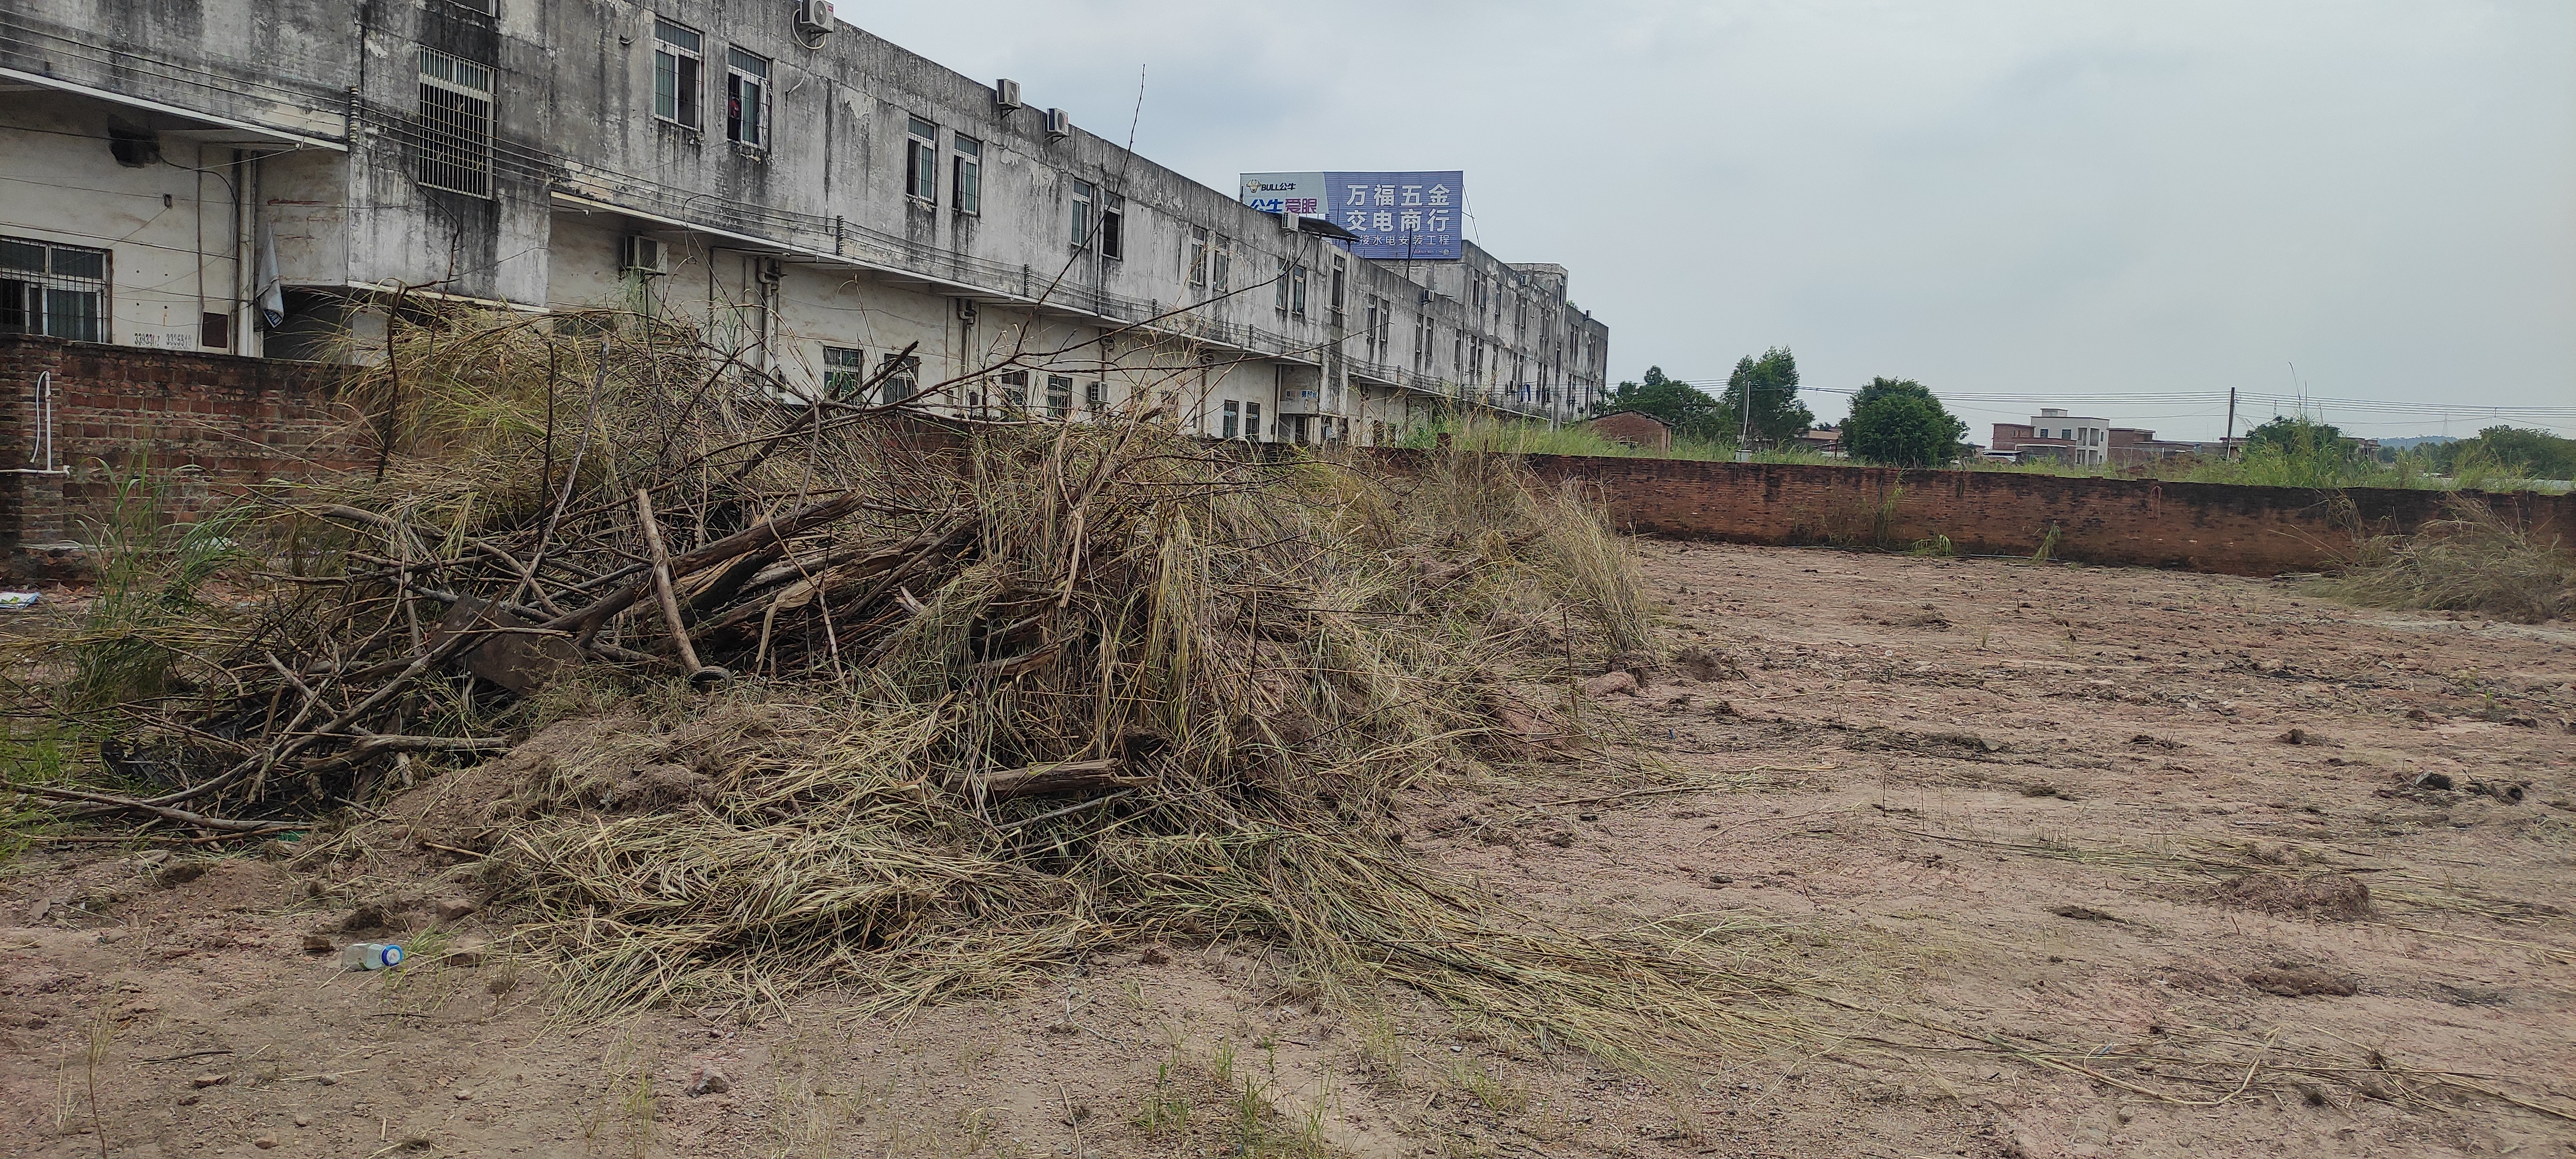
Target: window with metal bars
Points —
{"points": [[747, 99], [677, 50], [455, 124], [50, 289], [845, 370]]}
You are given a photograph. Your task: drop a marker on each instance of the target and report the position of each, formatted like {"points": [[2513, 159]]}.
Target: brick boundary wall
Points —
{"points": [[204, 427], [2213, 527], [207, 427]]}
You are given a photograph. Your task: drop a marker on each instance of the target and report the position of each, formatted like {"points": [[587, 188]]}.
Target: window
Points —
{"points": [[1113, 226], [1368, 327], [747, 99], [52, 289], [1297, 290], [966, 188], [902, 378], [1223, 267], [1081, 232], [921, 161], [1252, 421], [1458, 351], [844, 372], [1015, 391], [1093, 395], [1233, 418], [1198, 260], [1340, 275], [676, 57], [455, 124], [1059, 396]]}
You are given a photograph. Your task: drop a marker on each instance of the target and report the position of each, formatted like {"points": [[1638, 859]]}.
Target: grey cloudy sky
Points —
{"points": [[2012, 197]]}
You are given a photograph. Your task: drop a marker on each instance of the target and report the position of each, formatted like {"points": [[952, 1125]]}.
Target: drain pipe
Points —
{"points": [[40, 454]]}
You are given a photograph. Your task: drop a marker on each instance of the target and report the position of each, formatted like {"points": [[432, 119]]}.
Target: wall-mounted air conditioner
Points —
{"points": [[814, 16], [1059, 124], [643, 255], [1006, 94]]}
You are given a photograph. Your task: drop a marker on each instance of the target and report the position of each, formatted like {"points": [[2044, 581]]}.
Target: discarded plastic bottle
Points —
{"points": [[370, 956]]}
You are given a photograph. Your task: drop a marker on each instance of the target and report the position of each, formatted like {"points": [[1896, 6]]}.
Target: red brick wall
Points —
{"points": [[2195, 526], [1636, 430], [203, 428]]}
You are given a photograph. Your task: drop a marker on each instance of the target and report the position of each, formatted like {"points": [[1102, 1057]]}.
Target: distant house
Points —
{"points": [[1824, 441], [2053, 435], [1635, 429]]}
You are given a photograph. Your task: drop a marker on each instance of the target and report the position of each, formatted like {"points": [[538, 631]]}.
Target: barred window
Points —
{"points": [[747, 99], [902, 378], [844, 372], [677, 57], [1059, 398], [53, 289], [455, 124], [1015, 391]]}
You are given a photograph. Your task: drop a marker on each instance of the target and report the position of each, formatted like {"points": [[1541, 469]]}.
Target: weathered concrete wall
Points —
{"points": [[202, 427], [168, 229], [2193, 526]]}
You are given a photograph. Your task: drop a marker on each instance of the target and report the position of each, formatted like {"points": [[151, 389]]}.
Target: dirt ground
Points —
{"points": [[2057, 861]]}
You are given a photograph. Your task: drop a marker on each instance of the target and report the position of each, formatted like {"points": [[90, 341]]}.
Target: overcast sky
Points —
{"points": [[2019, 197]]}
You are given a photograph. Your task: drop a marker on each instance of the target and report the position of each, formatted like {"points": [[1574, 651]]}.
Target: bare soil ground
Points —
{"points": [[2064, 861]]}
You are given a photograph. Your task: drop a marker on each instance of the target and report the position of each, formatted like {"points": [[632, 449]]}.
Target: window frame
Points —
{"points": [[1113, 226], [455, 148], [921, 160], [845, 370], [966, 174], [1059, 386], [736, 75], [900, 383], [1231, 420], [1080, 226], [1221, 263], [1195, 265], [1015, 390], [1297, 291], [1252, 422], [36, 291], [687, 73]]}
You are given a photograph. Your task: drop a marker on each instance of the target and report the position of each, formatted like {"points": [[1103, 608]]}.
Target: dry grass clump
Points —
{"points": [[803, 695], [2474, 561], [2324, 895]]}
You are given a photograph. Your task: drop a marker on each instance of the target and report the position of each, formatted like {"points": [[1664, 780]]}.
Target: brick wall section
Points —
{"points": [[2195, 526], [204, 427], [1636, 430]]}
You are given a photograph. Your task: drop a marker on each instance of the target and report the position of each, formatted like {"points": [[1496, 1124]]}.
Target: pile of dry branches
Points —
{"points": [[794, 693]]}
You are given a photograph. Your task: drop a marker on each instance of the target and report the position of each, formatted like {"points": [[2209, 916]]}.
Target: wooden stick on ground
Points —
{"points": [[670, 600]]}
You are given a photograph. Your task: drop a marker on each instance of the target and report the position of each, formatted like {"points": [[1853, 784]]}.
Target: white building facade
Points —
{"points": [[278, 178]]}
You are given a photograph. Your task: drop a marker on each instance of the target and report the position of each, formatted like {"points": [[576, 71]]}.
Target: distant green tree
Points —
{"points": [[1775, 414], [1675, 403], [1897, 421], [2301, 437], [2534, 454]]}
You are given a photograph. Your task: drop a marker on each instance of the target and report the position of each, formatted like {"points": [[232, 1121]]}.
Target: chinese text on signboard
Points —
{"points": [[1401, 215]]}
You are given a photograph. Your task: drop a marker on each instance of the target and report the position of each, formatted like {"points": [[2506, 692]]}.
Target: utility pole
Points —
{"points": [[1744, 440], [2223, 443]]}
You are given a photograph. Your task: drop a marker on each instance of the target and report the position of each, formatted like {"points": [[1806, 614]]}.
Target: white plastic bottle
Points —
{"points": [[371, 956]]}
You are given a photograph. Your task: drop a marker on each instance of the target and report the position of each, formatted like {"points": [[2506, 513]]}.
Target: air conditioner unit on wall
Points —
{"points": [[644, 255], [814, 16], [1059, 124], [1006, 94]]}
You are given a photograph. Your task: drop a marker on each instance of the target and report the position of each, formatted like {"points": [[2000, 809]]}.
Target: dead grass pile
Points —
{"points": [[2474, 561], [899, 706], [2324, 895]]}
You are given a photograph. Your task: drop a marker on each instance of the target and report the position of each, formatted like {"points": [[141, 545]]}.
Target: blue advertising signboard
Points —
{"points": [[1412, 215]]}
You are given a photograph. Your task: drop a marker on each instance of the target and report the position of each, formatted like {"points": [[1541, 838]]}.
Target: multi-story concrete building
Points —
{"points": [[280, 178]]}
